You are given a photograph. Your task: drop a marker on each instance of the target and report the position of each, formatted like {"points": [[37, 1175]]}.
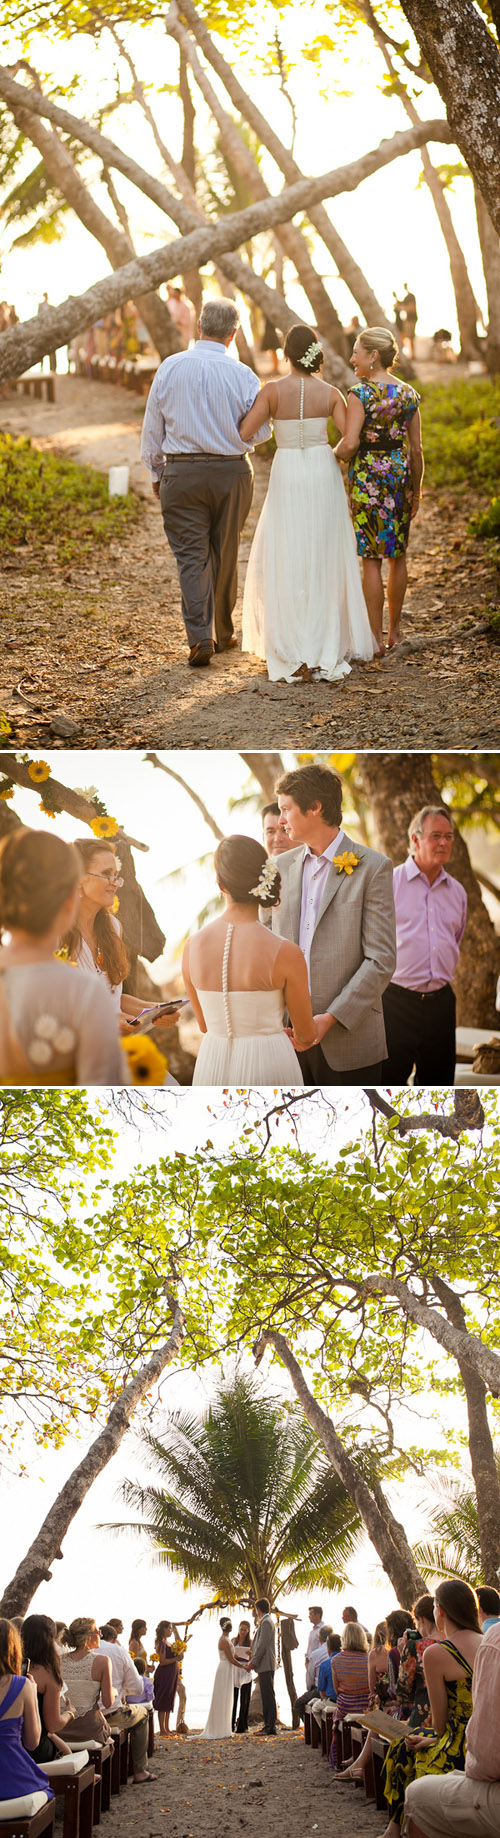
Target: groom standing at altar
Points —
{"points": [[337, 903]]}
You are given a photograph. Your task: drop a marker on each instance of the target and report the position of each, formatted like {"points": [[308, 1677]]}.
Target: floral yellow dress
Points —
{"points": [[446, 1753], [380, 482]]}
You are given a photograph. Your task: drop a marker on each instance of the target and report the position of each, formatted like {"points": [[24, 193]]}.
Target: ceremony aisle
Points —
{"points": [[253, 1785]]}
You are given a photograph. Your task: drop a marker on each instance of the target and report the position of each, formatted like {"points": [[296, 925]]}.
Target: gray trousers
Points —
{"points": [[136, 1720], [205, 499]]}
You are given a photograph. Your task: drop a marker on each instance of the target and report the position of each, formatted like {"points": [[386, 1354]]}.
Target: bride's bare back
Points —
{"points": [[253, 959]]}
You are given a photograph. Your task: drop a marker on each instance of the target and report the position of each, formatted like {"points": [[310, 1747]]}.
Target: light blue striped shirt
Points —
{"points": [[195, 403]]}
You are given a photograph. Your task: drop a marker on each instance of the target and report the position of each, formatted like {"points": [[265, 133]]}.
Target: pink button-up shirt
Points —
{"points": [[483, 1730], [314, 874], [430, 924]]}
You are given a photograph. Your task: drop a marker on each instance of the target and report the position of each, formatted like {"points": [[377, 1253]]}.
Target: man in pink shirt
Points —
{"points": [[431, 910], [467, 1805]]}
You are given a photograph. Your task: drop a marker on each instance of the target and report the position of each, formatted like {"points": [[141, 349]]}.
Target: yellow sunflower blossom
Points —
{"points": [[347, 862], [6, 791], [104, 826], [5, 727], [147, 1065], [116, 904], [38, 770], [47, 813]]}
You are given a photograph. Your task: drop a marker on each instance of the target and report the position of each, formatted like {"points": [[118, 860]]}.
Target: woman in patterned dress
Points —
{"points": [[350, 1678], [383, 443], [448, 1665]]}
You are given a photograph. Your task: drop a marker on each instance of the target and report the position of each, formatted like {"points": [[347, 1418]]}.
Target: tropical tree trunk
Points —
{"points": [[490, 251], [397, 788], [385, 1532], [192, 279], [266, 768], [482, 1454], [462, 54], [46, 1548]]}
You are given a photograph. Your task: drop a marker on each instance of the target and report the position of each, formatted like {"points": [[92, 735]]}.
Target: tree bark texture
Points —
{"points": [[490, 252], [458, 1342], [385, 1532], [465, 63], [35, 1566], [482, 1454], [266, 768], [397, 788]]}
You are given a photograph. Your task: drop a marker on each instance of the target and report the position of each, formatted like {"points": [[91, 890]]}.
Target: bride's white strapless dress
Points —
{"points": [[303, 601], [245, 1042], [220, 1715]]}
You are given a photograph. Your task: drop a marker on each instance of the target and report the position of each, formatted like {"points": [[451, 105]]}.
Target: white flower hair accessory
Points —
{"points": [[309, 355], [265, 883]]}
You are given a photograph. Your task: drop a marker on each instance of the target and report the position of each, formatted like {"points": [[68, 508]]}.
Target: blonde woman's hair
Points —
{"points": [[380, 338], [354, 1638], [380, 1636], [81, 1629]]}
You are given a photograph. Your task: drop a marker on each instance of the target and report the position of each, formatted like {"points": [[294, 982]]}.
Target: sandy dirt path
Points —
{"points": [[265, 1788], [104, 642]]}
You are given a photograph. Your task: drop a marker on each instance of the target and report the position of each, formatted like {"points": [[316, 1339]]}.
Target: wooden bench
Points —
{"points": [[119, 1763], [379, 1751], [307, 1727], [39, 386], [151, 1731], [22, 1826], [77, 1791], [326, 1732]]}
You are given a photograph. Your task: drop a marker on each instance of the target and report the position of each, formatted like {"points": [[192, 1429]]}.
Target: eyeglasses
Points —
{"points": [[113, 880]]}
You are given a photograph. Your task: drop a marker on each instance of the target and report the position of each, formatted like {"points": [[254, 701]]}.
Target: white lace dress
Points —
{"points": [[219, 1720], [303, 601], [245, 1042]]}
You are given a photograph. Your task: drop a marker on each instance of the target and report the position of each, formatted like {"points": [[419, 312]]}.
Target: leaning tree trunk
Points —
{"points": [[385, 1532], [482, 1454], [463, 56], [192, 277], [397, 787], [490, 252], [266, 768], [289, 1643], [46, 1548]]}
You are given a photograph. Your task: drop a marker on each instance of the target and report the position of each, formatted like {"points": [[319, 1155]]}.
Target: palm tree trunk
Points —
{"points": [[490, 251]]}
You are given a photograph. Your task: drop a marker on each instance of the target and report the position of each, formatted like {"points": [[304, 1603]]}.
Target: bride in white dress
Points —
{"points": [[219, 1720], [303, 609], [240, 977]]}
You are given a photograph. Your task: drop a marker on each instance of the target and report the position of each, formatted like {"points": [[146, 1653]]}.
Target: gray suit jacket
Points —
{"points": [[353, 951], [263, 1646]]}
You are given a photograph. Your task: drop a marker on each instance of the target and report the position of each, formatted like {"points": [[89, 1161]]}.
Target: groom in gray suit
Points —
{"points": [[263, 1662], [337, 903]]}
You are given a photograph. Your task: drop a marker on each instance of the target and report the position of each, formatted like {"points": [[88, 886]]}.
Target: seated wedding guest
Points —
{"points": [[350, 1614], [87, 1674], [419, 1003], [324, 1690], [448, 1665], [62, 1635], [489, 1607], [166, 1676], [243, 1680], [378, 1659], [403, 1688], [56, 1026], [466, 1805], [126, 1679], [313, 1664], [350, 1678], [19, 1724], [42, 1657], [146, 1694], [94, 940], [239, 978]]}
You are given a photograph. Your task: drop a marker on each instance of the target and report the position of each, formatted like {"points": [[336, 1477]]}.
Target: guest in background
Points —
{"points": [[431, 909], [489, 1607], [350, 1678], [350, 1614], [136, 1646], [182, 312], [19, 1724], [448, 1667], [316, 1620], [125, 1679], [313, 1664], [243, 1685], [378, 1659], [87, 1674], [146, 1694], [466, 1804], [166, 1676], [274, 835], [42, 1658], [325, 1689]]}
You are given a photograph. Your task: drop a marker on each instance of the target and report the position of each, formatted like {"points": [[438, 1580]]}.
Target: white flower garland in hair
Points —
{"points": [[265, 883], [309, 355]]}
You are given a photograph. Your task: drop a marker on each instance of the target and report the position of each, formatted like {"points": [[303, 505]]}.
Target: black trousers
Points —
{"points": [[205, 499], [243, 1693], [266, 1682], [420, 1029], [317, 1071], [305, 1698]]}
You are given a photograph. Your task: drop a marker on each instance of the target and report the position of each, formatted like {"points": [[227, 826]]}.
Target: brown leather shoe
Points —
{"points": [[199, 657], [230, 646]]}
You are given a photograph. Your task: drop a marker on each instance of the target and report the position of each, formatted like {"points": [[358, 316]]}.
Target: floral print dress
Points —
{"points": [[447, 1752], [380, 482]]}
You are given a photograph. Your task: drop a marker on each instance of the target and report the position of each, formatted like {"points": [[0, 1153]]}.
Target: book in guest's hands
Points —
{"points": [[148, 1016], [383, 1725]]}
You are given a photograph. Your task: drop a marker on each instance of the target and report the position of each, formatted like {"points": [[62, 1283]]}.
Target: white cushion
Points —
{"points": [[86, 1747], [67, 1764], [29, 1804]]}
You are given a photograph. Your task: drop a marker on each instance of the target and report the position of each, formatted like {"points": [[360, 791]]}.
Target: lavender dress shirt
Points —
{"points": [[430, 924], [314, 873]]}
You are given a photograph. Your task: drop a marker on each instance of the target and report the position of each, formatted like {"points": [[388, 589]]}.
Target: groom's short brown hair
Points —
{"points": [[309, 785]]}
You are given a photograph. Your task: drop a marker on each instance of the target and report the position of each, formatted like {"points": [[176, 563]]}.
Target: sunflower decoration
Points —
{"points": [[38, 771], [147, 1065], [5, 727], [6, 790], [103, 827]]}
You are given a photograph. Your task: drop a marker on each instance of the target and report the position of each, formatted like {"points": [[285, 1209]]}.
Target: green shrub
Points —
{"points": [[52, 503], [461, 423], [487, 523]]}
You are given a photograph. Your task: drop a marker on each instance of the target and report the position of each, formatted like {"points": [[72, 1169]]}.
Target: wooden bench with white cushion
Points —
{"points": [[28, 1816], [74, 1777]]}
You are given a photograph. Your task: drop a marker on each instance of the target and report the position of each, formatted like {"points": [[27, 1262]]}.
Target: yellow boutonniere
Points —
{"points": [[346, 863]]}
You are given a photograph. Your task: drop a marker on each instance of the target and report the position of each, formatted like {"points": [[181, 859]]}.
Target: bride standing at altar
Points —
{"points": [[219, 1720], [240, 977], [303, 609]]}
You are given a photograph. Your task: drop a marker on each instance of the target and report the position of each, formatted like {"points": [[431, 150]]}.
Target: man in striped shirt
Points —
{"points": [[202, 473]]}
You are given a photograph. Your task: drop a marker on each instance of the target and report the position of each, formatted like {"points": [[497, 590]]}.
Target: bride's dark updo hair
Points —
{"points": [[298, 342], [239, 862], [225, 1625]]}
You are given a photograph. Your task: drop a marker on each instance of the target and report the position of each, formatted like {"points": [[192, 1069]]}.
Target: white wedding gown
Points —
{"points": [[219, 1718], [245, 1042], [303, 601]]}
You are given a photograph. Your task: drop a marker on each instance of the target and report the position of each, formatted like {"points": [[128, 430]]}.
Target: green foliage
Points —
{"points": [[462, 433], [245, 1501], [454, 1547], [487, 523], [50, 502]]}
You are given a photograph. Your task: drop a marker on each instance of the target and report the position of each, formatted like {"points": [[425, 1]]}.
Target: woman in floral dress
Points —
{"points": [[383, 443], [448, 1665]]}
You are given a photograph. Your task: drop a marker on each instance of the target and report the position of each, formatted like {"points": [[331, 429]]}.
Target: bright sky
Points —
{"points": [[103, 1574], [389, 223]]}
